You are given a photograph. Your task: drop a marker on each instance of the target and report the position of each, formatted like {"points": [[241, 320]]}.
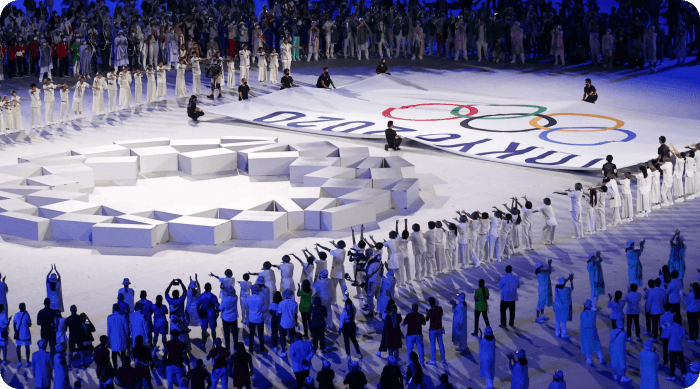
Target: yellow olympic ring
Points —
{"points": [[618, 123]]}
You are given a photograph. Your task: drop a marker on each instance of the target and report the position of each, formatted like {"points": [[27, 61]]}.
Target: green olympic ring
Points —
{"points": [[540, 109]]}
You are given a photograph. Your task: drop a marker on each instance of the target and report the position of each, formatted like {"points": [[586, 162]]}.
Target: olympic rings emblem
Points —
{"points": [[538, 115], [388, 112]]}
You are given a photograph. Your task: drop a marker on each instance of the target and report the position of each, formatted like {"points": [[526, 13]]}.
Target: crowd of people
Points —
{"points": [[295, 316]]}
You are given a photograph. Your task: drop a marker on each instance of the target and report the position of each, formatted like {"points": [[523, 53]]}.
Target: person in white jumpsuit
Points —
{"points": [[262, 65], [111, 82], [550, 222], [615, 200], [287, 274], [138, 86], [429, 255], [196, 75], [330, 47], [667, 185], [80, 87], [49, 99], [439, 248], [65, 101], [35, 104], [690, 188], [125, 88], [626, 194], [575, 204], [161, 90], [678, 177], [244, 61], [418, 245], [180, 86]]}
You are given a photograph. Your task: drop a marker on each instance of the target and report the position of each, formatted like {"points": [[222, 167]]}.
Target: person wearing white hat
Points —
{"points": [[595, 276], [558, 381], [562, 305], [487, 356], [229, 317], [459, 322], [618, 352], [322, 288], [54, 292], [518, 368], [128, 293], [41, 367], [590, 341], [256, 317], [634, 265], [692, 377], [301, 352], [288, 311], [60, 368], [544, 289], [649, 366]]}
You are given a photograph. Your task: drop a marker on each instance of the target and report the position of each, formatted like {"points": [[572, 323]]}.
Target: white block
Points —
{"points": [[138, 143], [103, 151], [25, 170], [54, 182], [271, 163], [337, 187], [156, 159], [350, 156], [305, 196], [174, 212], [407, 169], [295, 215], [320, 176], [305, 165], [114, 168], [259, 225], [312, 213], [6, 179], [124, 235], [50, 154], [244, 139], [348, 215], [208, 161], [70, 160], [8, 195], [121, 209], [381, 198], [71, 206], [368, 163], [47, 197], [23, 190], [25, 226], [81, 173], [315, 149], [405, 193], [162, 231], [246, 204], [268, 148], [73, 226], [238, 146], [383, 178], [187, 145], [199, 230], [19, 206]]}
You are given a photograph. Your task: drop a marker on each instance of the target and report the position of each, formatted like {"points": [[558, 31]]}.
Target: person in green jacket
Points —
{"points": [[481, 306]]}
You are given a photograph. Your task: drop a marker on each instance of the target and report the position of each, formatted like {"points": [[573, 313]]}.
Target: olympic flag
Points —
{"points": [[546, 134]]}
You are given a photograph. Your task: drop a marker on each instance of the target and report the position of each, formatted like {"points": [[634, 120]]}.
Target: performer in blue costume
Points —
{"points": [[595, 275], [618, 352], [649, 366], [634, 266], [544, 290], [590, 341], [676, 260]]}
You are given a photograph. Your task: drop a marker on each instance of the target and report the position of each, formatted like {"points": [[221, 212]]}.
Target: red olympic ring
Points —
{"points": [[388, 111]]}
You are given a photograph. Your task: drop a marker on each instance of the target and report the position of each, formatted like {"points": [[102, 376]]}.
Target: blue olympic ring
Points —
{"points": [[630, 135]]}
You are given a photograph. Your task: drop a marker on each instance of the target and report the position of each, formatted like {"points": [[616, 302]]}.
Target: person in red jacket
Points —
{"points": [[62, 54], [34, 56], [21, 55]]}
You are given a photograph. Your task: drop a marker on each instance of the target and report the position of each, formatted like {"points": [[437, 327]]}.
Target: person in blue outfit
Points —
{"points": [[632, 310], [675, 347], [634, 265], [508, 285], [518, 368], [487, 356], [558, 381], [590, 341], [595, 276], [618, 352], [544, 289], [649, 367], [562, 306], [207, 304], [616, 306], [676, 260], [692, 377]]}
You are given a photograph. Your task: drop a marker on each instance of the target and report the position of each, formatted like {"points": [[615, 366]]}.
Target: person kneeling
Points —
{"points": [[192, 110], [393, 140]]}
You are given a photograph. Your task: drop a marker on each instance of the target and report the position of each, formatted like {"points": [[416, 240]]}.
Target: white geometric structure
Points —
{"points": [[75, 226], [200, 230], [25, 226], [209, 161], [156, 159], [114, 168], [342, 187]]}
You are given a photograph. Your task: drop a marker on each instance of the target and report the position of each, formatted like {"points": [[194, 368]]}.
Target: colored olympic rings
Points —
{"points": [[540, 109], [550, 122], [388, 111], [618, 123], [544, 135]]}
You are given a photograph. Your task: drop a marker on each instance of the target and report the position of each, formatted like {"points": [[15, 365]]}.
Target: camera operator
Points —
{"points": [[216, 72]]}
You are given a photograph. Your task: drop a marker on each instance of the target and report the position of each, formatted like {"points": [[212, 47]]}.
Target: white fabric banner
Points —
{"points": [[547, 134]]}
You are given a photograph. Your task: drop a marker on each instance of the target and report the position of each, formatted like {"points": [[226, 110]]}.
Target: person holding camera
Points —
{"points": [[216, 72], [207, 310]]}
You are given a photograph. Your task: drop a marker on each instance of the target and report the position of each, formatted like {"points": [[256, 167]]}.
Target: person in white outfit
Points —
{"points": [[601, 224], [274, 67], [231, 73], [287, 274], [440, 263], [643, 189], [244, 61], [35, 104], [324, 290], [655, 191], [161, 90], [482, 45], [678, 167], [65, 100], [80, 87], [337, 273], [111, 82], [626, 194], [138, 86], [690, 188], [615, 199], [150, 84], [418, 245], [125, 88], [49, 99], [327, 27], [550, 222], [667, 186], [575, 197], [196, 75], [526, 224], [180, 86], [429, 255]]}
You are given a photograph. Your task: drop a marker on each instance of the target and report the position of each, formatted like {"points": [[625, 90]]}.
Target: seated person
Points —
{"points": [[382, 68], [192, 110], [393, 140]]}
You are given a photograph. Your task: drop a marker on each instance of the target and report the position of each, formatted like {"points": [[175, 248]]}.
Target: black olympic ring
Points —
{"points": [[550, 122]]}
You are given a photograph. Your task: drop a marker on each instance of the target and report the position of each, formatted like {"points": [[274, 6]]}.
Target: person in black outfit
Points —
{"points": [[192, 110], [590, 95], [47, 320], [609, 167], [355, 379], [391, 377], [382, 68], [663, 150], [287, 80], [393, 140], [244, 90], [324, 80], [76, 335]]}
